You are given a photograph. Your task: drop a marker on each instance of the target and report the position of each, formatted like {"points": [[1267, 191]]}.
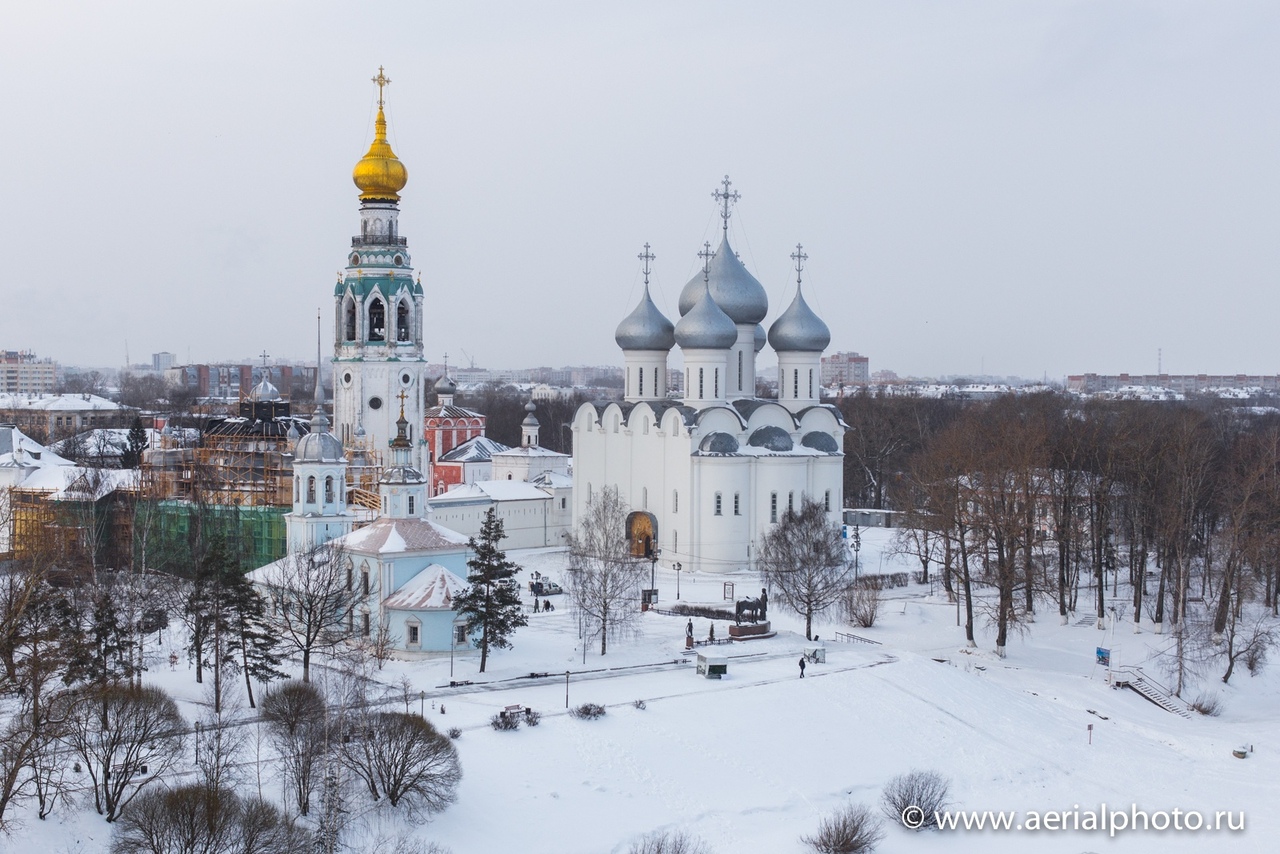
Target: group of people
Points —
{"points": [[546, 605]]}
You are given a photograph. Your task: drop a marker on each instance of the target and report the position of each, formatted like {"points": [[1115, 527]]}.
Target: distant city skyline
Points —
{"points": [[982, 187]]}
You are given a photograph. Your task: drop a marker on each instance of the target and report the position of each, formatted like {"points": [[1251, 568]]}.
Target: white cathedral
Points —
{"points": [[707, 474]]}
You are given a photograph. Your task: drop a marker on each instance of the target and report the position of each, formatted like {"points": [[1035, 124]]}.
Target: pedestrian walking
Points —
{"points": [[802, 667]]}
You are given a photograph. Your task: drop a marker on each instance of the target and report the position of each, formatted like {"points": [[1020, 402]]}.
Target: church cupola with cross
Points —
{"points": [[799, 336], [738, 294], [378, 309], [646, 338], [403, 487]]}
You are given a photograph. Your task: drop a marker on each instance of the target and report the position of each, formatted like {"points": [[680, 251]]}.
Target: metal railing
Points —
{"points": [[378, 240]]}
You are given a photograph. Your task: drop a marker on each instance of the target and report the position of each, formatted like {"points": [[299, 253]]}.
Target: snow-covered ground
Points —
{"points": [[753, 761]]}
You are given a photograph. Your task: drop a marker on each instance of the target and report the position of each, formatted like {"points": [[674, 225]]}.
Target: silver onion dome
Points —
{"points": [[264, 391], [761, 338], [706, 326], [444, 385], [799, 329], [318, 446], [645, 328], [735, 290]]}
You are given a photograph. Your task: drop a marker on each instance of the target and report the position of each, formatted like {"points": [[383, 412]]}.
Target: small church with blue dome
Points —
{"points": [[707, 473]]}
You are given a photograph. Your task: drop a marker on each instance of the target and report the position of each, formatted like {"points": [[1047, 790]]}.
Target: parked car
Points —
{"points": [[545, 588]]}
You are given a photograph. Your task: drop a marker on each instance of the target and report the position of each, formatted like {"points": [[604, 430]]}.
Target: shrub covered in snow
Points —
{"points": [[927, 791], [588, 711], [669, 842], [504, 723], [852, 829]]}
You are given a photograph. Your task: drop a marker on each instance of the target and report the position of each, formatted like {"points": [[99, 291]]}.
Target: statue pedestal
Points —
{"points": [[750, 631]]}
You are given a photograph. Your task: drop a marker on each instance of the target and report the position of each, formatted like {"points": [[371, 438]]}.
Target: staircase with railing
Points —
{"points": [[1149, 689]]}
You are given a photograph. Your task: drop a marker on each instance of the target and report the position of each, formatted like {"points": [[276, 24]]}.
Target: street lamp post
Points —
{"points": [[453, 638], [422, 704], [566, 689], [678, 567]]}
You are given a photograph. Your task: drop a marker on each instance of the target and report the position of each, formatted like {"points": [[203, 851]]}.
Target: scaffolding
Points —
{"points": [[255, 535]]}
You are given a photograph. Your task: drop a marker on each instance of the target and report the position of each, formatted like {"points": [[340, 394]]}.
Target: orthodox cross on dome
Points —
{"points": [[706, 255], [799, 257], [264, 356], [646, 256], [382, 80], [402, 397], [725, 199]]}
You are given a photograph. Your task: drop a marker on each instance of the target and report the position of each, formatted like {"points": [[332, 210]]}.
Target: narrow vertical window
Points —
{"points": [[811, 383], [739, 370], [701, 375], [795, 383], [364, 628], [716, 394], [311, 490], [718, 504], [826, 501], [641, 372], [644, 498], [675, 501], [737, 504], [791, 502], [364, 581], [410, 505], [773, 507], [656, 387], [328, 490]]}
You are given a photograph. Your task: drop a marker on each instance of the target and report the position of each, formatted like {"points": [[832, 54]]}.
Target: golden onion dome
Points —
{"points": [[380, 174]]}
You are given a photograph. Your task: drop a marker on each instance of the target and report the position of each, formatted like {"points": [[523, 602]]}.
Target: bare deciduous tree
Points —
{"points": [[404, 759], [804, 562], [295, 716], [201, 820], [314, 594], [604, 577], [128, 736]]}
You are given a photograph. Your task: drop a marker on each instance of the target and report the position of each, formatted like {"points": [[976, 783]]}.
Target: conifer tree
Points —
{"points": [[491, 603], [131, 458]]}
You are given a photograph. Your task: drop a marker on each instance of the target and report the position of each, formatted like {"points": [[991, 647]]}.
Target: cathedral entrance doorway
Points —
{"points": [[642, 533]]}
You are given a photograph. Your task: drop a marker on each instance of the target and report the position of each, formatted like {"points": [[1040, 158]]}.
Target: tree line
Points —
{"points": [[1168, 512]]}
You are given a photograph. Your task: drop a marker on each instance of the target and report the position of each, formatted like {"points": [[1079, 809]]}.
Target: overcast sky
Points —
{"points": [[1029, 188]]}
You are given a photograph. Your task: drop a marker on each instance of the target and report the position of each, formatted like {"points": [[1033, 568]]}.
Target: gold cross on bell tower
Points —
{"points": [[382, 80]]}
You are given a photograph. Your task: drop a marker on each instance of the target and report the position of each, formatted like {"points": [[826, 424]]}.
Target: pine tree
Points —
{"points": [[256, 649], [131, 458], [491, 602]]}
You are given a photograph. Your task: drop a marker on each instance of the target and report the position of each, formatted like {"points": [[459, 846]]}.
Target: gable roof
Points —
{"points": [[434, 587], [393, 536]]}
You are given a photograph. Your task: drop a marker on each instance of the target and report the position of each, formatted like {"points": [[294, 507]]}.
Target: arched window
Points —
{"points": [[364, 579], [773, 507], [297, 489], [311, 490], [349, 320], [377, 320], [719, 504], [791, 501], [328, 490], [402, 321]]}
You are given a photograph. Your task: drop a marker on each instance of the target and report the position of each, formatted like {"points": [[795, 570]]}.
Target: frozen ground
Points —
{"points": [[752, 762]]}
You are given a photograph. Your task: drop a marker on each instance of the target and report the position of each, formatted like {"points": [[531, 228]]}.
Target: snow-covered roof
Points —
{"points": [[493, 490], [104, 442], [553, 480], [73, 483], [529, 451], [442, 411], [58, 402], [394, 536], [433, 587], [19, 450], [477, 449]]}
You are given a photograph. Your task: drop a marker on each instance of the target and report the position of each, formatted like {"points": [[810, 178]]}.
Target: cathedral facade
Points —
{"points": [[378, 309], [707, 474]]}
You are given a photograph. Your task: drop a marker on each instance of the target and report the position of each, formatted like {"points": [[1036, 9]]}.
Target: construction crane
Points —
{"points": [[469, 358]]}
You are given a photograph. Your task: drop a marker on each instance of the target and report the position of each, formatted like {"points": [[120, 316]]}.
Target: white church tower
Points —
{"points": [[320, 511], [403, 487], [378, 347]]}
